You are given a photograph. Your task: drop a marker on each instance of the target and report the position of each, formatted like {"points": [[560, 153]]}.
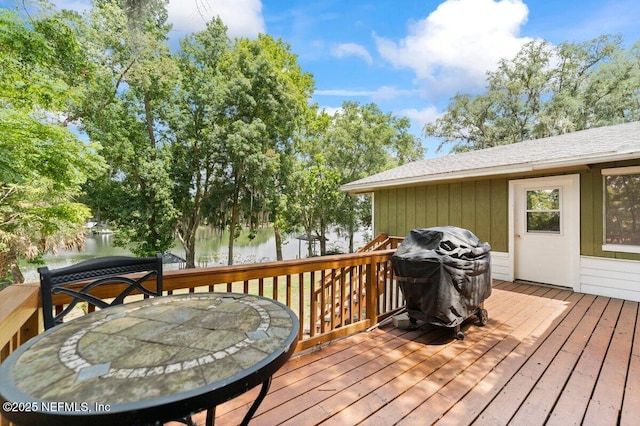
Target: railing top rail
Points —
{"points": [[18, 303], [223, 274]]}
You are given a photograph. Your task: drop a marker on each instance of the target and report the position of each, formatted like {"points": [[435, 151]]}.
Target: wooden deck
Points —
{"points": [[546, 356]]}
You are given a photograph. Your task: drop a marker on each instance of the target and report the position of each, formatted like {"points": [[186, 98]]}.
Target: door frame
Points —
{"points": [[571, 222]]}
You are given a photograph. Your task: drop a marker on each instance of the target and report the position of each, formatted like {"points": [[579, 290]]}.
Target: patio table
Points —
{"points": [[149, 361]]}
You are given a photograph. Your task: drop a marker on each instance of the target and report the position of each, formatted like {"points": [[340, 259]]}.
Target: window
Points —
{"points": [[622, 209], [543, 211]]}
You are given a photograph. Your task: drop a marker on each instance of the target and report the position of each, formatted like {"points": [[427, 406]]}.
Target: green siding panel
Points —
{"points": [[421, 207], [410, 208], [588, 187], [443, 205], [469, 205], [393, 208], [499, 214], [455, 204], [432, 208], [478, 206]]}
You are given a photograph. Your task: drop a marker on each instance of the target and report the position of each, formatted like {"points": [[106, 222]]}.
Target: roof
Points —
{"points": [[596, 145]]}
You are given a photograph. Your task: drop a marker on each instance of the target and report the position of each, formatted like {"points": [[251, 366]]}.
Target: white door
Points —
{"points": [[546, 229]]}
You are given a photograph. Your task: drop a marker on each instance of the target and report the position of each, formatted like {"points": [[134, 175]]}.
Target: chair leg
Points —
{"points": [[254, 407]]}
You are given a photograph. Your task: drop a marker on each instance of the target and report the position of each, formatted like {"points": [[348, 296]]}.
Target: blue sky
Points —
{"points": [[407, 56]]}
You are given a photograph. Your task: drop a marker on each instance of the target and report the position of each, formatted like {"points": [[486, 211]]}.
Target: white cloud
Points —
{"points": [[352, 49], [381, 93], [242, 17], [332, 110], [460, 40], [389, 92], [344, 92], [420, 117]]}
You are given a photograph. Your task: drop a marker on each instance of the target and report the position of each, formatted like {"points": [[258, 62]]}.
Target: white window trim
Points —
{"points": [[616, 171], [621, 248], [559, 210]]}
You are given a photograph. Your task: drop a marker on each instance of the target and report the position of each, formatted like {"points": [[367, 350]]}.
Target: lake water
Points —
{"points": [[211, 250]]}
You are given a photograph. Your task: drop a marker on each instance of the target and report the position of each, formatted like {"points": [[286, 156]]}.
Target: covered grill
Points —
{"points": [[445, 276]]}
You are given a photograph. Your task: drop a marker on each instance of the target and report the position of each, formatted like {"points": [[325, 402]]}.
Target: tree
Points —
{"points": [[546, 90], [362, 140], [266, 96], [42, 162], [317, 191], [194, 115], [357, 141], [138, 76]]}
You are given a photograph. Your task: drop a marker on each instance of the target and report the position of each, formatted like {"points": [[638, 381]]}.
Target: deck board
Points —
{"points": [[631, 403], [606, 401], [547, 356]]}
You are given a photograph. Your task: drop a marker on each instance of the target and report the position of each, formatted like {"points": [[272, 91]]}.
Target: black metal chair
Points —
{"points": [[111, 270]]}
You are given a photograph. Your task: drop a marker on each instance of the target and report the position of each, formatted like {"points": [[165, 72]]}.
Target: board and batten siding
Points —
{"points": [[592, 213], [605, 273], [480, 206]]}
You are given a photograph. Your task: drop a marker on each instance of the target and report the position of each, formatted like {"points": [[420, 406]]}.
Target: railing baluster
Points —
{"points": [[301, 329], [275, 288], [333, 299], [313, 310], [323, 300]]}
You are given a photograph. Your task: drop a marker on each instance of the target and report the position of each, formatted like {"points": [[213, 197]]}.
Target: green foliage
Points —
{"points": [[42, 163], [546, 90], [356, 142], [137, 75], [266, 97], [363, 141], [203, 135]]}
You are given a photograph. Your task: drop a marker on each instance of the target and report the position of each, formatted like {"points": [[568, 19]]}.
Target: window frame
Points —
{"points": [[615, 171], [559, 211]]}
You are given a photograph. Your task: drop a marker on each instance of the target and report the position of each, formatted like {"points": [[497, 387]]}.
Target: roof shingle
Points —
{"points": [[590, 146]]}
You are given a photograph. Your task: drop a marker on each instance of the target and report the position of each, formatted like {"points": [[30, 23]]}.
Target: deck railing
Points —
{"points": [[360, 285]]}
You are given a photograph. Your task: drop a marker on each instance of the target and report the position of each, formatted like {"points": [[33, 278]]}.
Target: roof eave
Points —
{"points": [[369, 187]]}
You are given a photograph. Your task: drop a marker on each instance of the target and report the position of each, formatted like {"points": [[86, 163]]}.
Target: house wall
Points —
{"points": [[482, 207], [592, 212], [479, 206]]}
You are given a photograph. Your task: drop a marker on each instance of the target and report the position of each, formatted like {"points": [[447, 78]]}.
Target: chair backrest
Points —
{"points": [[80, 280]]}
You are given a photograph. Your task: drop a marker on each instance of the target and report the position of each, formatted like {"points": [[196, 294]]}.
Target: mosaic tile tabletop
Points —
{"points": [[155, 347]]}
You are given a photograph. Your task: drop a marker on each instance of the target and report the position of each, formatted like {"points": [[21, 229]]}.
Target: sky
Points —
{"points": [[407, 56]]}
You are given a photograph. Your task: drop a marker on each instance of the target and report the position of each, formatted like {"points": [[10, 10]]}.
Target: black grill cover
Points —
{"points": [[444, 273]]}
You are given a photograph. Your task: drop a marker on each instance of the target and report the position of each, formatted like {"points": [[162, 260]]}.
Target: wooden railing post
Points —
{"points": [[30, 328], [371, 285]]}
